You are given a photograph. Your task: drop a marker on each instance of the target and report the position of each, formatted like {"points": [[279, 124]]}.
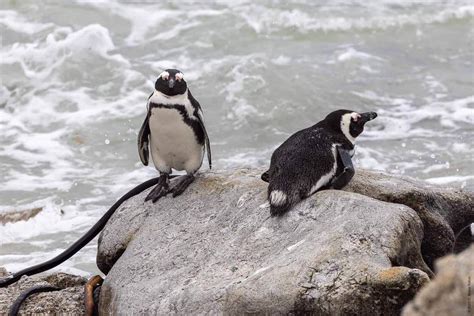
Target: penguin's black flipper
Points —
{"points": [[143, 141], [207, 143], [266, 176], [347, 173], [198, 114], [144, 137]]}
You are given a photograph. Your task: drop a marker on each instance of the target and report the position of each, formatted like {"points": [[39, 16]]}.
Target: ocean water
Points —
{"points": [[75, 76]]}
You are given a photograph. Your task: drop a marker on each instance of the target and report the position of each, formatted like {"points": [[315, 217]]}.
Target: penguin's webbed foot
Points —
{"points": [[346, 175], [160, 190], [181, 184], [343, 179]]}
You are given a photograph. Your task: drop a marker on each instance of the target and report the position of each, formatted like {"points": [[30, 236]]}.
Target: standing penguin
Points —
{"points": [[314, 158], [174, 133]]}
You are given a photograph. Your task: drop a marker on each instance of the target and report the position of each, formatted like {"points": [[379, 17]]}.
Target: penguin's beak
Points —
{"points": [[171, 83], [367, 116]]}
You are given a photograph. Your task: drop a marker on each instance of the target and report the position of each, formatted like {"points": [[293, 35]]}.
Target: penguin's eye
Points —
{"points": [[165, 75], [179, 76]]}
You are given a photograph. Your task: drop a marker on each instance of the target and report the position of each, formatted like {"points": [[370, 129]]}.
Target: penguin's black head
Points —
{"points": [[171, 82], [350, 123]]}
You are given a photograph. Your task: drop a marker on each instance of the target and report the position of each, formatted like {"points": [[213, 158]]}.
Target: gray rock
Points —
{"points": [[16, 216], [445, 212], [450, 292], [215, 250], [69, 301]]}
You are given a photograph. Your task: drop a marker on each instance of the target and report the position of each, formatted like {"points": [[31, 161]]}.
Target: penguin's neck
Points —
{"points": [[161, 98], [335, 133], [178, 102]]}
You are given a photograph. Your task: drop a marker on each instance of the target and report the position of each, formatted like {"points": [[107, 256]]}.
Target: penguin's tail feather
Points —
{"points": [[278, 210], [281, 201]]}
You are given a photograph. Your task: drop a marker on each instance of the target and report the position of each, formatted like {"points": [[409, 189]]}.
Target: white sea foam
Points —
{"points": [[351, 53], [243, 79], [142, 19], [461, 147], [50, 220], [20, 24], [367, 158], [434, 85], [281, 60], [436, 167], [263, 19], [450, 180], [14, 263], [248, 159], [145, 18], [400, 117], [39, 59]]}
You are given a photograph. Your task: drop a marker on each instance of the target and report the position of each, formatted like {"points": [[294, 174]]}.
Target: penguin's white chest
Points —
{"points": [[173, 143]]}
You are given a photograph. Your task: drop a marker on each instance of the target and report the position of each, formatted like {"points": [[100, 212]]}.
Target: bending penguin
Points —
{"points": [[315, 158], [174, 132]]}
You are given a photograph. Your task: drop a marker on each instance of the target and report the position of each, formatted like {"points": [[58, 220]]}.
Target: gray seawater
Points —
{"points": [[75, 77]]}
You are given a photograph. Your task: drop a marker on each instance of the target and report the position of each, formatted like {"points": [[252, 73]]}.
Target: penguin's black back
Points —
{"points": [[298, 164], [306, 152]]}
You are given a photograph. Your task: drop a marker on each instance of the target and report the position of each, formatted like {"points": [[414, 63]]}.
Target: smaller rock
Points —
{"points": [[69, 301], [451, 291], [16, 216], [401, 278]]}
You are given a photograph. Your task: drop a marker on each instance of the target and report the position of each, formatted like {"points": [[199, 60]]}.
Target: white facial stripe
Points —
{"points": [[345, 126], [179, 76], [165, 75], [355, 116]]}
